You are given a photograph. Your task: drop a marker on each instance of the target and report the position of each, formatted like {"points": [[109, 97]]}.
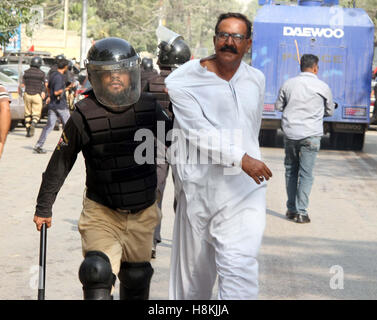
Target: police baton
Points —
{"points": [[42, 263]]}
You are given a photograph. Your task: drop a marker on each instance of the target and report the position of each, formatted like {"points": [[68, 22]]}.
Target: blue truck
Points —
{"points": [[342, 38]]}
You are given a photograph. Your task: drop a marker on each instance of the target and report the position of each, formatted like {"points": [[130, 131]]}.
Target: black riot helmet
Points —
{"points": [[36, 62], [173, 55], [147, 64], [173, 50], [59, 57], [114, 72]]}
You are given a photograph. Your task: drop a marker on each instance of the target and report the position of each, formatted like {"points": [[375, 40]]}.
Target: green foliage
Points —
{"points": [[133, 20], [12, 14], [137, 20]]}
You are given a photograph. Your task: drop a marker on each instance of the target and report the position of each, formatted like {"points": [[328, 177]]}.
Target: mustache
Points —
{"points": [[228, 48], [117, 82]]}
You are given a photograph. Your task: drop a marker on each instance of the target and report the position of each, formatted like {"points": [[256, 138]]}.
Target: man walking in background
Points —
{"points": [[34, 80], [304, 101], [58, 104]]}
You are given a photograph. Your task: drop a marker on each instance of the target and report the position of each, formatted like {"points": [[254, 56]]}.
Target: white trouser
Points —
{"points": [[226, 247]]}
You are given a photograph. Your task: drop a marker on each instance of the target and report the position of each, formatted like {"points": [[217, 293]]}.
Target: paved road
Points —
{"points": [[296, 261]]}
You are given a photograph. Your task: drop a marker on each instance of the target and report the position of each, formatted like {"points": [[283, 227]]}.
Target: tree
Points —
{"points": [[12, 14], [133, 20], [137, 20], [54, 16]]}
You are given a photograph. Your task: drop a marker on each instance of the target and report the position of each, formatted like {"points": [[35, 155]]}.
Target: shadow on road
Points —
{"points": [[276, 214]]}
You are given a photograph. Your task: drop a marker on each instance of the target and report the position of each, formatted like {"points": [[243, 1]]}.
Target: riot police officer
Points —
{"points": [[147, 64], [119, 209], [173, 52], [34, 81], [148, 72]]}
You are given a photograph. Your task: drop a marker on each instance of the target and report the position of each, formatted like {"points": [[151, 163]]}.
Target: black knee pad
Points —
{"points": [[135, 279], [96, 276]]}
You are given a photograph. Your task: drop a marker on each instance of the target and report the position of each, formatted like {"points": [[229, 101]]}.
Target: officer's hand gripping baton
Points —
{"points": [[42, 263]]}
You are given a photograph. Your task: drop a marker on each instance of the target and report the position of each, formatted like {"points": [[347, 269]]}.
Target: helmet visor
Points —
{"points": [[116, 85]]}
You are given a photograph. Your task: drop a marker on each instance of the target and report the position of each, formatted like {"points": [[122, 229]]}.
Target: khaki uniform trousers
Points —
{"points": [[121, 236], [33, 108]]}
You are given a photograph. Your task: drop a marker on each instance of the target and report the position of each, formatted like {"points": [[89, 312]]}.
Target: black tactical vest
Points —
{"points": [[114, 179], [156, 87], [146, 76], [34, 80]]}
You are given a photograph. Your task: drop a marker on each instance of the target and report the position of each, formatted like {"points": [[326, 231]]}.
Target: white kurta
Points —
{"points": [[220, 217]]}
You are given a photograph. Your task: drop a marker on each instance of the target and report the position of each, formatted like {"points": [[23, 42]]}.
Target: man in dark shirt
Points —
{"points": [[119, 209], [54, 68], [58, 104], [68, 78], [34, 82]]}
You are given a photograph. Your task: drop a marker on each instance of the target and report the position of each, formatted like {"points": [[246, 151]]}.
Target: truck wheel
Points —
{"points": [[347, 141], [358, 141], [335, 140]]}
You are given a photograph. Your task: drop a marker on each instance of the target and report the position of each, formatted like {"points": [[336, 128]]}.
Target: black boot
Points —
{"points": [[31, 129], [28, 132], [135, 279]]}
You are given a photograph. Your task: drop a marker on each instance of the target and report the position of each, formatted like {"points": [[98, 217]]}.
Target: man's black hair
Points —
{"points": [[62, 63], [240, 16], [308, 61]]}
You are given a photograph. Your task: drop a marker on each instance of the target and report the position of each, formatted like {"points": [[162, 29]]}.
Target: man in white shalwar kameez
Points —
{"points": [[220, 214]]}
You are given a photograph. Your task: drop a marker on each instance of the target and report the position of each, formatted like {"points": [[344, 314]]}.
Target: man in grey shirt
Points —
{"points": [[304, 101]]}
